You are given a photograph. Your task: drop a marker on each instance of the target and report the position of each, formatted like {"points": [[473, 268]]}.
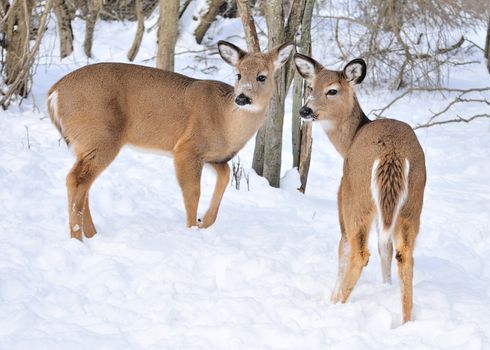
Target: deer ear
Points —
{"points": [[230, 53], [281, 54], [306, 66], [355, 71]]}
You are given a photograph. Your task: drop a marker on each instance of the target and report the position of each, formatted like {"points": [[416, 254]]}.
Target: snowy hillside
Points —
{"points": [[261, 277]]}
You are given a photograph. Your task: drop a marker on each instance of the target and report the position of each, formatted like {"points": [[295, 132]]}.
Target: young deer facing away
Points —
{"points": [[383, 176], [102, 107]]}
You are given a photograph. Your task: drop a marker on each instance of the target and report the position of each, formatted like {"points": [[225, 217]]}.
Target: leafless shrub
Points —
{"points": [[22, 25], [474, 95], [405, 43], [237, 173]]}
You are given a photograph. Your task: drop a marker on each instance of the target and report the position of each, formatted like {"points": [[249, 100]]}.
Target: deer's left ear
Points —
{"points": [[355, 71], [230, 53], [281, 54]]}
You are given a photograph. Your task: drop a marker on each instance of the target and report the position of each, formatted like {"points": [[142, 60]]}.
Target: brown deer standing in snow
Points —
{"points": [[102, 107], [383, 176]]}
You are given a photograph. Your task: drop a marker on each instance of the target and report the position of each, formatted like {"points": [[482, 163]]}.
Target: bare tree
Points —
{"points": [[472, 95], [21, 53], [301, 135], [208, 18], [94, 7], [487, 45], [17, 33], [167, 33], [405, 43], [282, 27], [248, 23], [133, 51], [63, 21]]}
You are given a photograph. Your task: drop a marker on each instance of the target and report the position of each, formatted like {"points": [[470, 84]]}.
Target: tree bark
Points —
{"points": [[168, 25], [18, 84], [207, 19], [92, 15], [63, 21], [275, 115], [268, 143], [244, 9], [305, 154], [487, 46], [133, 51], [301, 132], [18, 28]]}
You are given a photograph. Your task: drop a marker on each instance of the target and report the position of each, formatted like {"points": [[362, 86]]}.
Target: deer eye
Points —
{"points": [[331, 92], [238, 76], [261, 78]]}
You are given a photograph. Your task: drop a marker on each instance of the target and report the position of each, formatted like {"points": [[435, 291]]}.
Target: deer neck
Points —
{"points": [[343, 132], [242, 123]]}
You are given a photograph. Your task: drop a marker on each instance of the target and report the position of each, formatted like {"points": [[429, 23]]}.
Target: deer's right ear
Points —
{"points": [[230, 53], [306, 66]]}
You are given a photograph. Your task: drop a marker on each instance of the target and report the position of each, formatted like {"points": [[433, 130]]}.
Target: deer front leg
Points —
{"points": [[188, 169], [222, 179]]}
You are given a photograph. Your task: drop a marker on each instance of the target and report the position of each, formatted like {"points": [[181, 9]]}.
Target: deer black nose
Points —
{"points": [[243, 100], [306, 112]]}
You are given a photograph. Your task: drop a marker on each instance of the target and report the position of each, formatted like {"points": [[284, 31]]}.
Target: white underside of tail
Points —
{"points": [[386, 234]]}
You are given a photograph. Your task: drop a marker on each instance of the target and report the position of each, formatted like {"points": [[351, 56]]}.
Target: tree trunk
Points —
{"points": [[20, 22], [268, 143], [275, 115], [244, 9], [487, 46], [305, 154], [208, 18], [63, 21], [133, 51], [168, 25], [17, 41], [92, 15], [301, 132]]}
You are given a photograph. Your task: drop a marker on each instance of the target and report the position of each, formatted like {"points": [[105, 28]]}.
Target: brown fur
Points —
{"points": [[390, 181], [102, 107], [362, 143]]}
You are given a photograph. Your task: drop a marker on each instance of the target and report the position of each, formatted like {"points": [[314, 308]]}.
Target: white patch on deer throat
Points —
{"points": [[76, 228], [327, 124]]}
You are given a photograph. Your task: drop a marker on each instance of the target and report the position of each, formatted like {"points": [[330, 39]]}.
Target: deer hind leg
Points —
{"points": [[188, 169], [222, 179], [405, 233], [385, 250], [88, 225], [86, 169], [353, 249]]}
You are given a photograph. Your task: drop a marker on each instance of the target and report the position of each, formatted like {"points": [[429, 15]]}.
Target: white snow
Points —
{"points": [[262, 276]]}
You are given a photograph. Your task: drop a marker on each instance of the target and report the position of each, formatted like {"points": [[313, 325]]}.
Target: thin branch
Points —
{"points": [[457, 120], [379, 112]]}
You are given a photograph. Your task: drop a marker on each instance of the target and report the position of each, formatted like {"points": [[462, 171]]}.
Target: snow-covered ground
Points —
{"points": [[261, 277]]}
